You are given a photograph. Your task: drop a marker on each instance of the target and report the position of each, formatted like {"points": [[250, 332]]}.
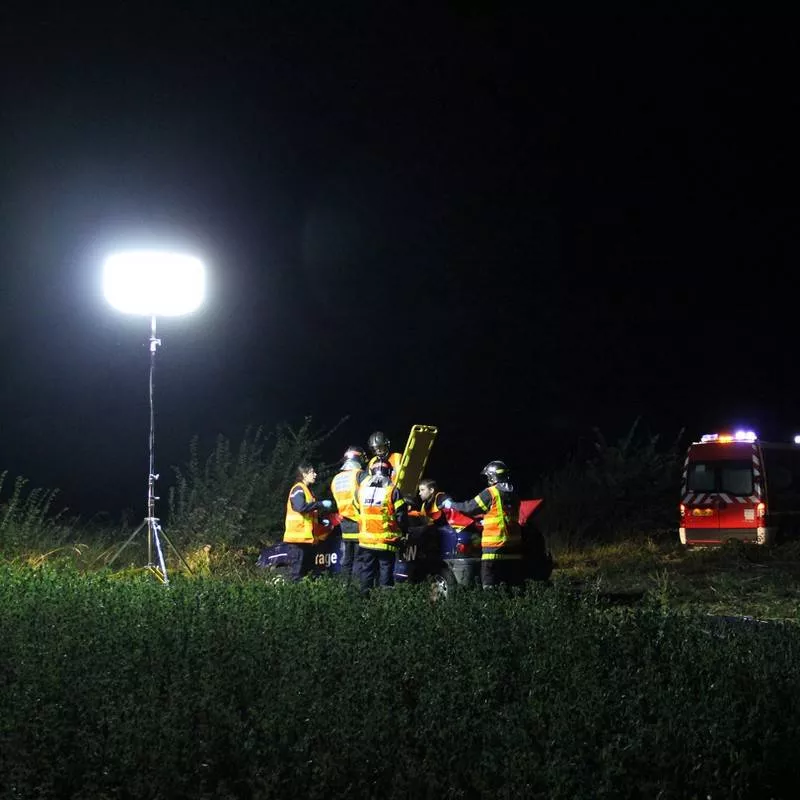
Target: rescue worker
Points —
{"points": [[303, 527], [432, 499], [501, 541], [424, 531], [378, 445], [383, 524], [343, 488]]}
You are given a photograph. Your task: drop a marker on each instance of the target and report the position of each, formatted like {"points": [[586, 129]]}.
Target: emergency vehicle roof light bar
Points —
{"points": [[739, 436]]}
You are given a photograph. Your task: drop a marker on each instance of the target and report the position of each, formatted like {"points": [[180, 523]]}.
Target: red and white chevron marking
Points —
{"points": [[706, 498]]}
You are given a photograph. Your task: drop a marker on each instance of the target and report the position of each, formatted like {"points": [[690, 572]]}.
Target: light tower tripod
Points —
{"points": [[154, 530]]}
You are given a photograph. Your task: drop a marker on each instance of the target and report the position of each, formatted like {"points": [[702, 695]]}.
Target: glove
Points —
{"points": [[326, 503], [448, 503]]}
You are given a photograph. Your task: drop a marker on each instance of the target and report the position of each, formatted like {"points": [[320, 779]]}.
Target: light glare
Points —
{"points": [[154, 283], [739, 436]]}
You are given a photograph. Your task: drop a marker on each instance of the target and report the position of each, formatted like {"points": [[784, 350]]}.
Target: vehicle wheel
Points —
{"points": [[277, 576], [442, 584]]}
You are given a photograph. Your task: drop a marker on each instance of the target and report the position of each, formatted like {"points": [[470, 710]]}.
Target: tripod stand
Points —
{"points": [[154, 530]]}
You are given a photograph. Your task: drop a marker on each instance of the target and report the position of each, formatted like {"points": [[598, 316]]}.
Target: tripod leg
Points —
{"points": [[154, 529], [176, 551], [127, 542]]}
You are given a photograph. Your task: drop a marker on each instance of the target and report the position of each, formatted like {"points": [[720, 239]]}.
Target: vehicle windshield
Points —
{"points": [[730, 477]]}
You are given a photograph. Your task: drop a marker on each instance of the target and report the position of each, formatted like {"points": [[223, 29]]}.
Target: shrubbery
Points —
{"points": [[124, 688], [237, 495], [614, 491], [26, 517]]}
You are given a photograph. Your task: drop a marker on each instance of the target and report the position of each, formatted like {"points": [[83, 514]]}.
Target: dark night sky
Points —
{"points": [[511, 227]]}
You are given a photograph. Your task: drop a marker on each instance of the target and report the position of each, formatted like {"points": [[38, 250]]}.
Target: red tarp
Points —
{"points": [[455, 519], [527, 508]]}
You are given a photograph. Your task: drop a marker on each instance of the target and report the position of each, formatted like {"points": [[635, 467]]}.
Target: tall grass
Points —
{"points": [[27, 521]]}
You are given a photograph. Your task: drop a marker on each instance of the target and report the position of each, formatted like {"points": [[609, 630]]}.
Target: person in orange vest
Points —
{"points": [[383, 524], [425, 527], [343, 488], [379, 446], [303, 527], [501, 541], [432, 499]]}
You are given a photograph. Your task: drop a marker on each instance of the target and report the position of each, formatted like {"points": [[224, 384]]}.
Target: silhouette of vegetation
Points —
{"points": [[615, 491], [26, 520], [237, 495]]}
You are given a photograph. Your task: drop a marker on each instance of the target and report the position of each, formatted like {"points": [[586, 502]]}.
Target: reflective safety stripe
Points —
{"points": [[502, 536], [501, 557], [379, 529], [343, 488], [300, 528]]}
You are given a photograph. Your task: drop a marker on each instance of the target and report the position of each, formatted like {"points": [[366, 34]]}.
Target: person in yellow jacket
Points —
{"points": [[343, 488], [383, 524], [379, 445], [501, 541], [303, 528]]}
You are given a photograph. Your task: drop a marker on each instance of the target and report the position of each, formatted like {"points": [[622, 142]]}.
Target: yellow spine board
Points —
{"points": [[415, 457]]}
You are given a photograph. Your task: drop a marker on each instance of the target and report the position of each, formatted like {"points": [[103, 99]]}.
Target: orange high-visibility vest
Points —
{"points": [[393, 458], [300, 528], [343, 488], [502, 536], [378, 529], [431, 510], [433, 513]]}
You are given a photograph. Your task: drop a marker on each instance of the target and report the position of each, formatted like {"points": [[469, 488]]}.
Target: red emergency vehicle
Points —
{"points": [[736, 487]]}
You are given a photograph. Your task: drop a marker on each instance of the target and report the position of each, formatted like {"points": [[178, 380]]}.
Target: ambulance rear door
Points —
{"points": [[701, 509]]}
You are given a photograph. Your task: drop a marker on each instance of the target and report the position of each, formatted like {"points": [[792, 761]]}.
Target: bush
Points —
{"points": [[621, 489], [235, 496], [26, 521], [115, 687]]}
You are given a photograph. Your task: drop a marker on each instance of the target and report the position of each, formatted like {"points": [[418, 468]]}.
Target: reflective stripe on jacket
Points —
{"points": [[343, 488], [502, 536], [379, 529], [300, 528]]}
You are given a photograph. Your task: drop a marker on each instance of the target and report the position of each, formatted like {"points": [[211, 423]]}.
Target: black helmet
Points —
{"points": [[378, 443], [495, 471], [354, 453], [380, 467]]}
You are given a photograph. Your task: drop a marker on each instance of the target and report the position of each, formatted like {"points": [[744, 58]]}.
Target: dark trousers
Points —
{"points": [[301, 560], [417, 554], [349, 550], [350, 547], [372, 565], [495, 571]]}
